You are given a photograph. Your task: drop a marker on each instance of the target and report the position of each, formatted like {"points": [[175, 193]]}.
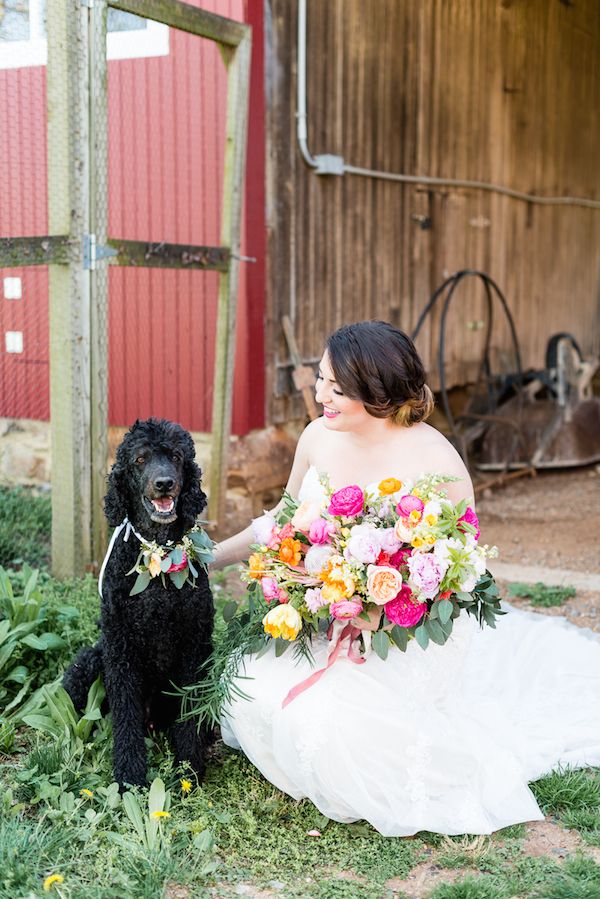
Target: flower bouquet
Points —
{"points": [[177, 561], [397, 560], [373, 568]]}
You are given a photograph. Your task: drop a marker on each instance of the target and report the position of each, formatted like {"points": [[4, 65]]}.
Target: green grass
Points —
{"points": [[25, 520], [541, 594], [234, 828]]}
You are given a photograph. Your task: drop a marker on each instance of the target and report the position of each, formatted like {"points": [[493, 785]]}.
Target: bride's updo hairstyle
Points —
{"points": [[376, 363]]}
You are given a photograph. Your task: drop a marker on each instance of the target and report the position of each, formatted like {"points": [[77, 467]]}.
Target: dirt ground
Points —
{"points": [[550, 521]]}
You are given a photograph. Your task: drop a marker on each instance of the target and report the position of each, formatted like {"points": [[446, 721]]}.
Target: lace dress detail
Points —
{"points": [[444, 740]]}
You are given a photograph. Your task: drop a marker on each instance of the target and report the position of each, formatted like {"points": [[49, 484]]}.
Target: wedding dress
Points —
{"points": [[444, 740]]}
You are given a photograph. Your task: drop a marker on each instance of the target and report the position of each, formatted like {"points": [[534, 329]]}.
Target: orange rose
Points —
{"points": [[289, 551], [389, 486], [383, 583], [256, 566]]}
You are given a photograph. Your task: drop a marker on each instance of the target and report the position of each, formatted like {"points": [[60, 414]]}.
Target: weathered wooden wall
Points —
{"points": [[504, 91]]}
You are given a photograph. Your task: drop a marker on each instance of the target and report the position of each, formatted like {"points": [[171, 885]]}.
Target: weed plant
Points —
{"points": [[541, 594]]}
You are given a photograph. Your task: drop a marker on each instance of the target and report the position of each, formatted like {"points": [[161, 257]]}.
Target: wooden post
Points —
{"points": [[67, 84], [238, 65], [98, 104]]}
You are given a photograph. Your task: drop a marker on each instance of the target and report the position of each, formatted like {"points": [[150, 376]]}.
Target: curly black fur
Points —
{"points": [[163, 635]]}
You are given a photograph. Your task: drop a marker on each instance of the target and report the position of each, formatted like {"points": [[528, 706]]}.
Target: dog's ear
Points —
{"points": [[192, 499], [115, 501]]}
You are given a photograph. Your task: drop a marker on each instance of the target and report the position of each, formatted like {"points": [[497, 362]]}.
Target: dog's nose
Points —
{"points": [[164, 484]]}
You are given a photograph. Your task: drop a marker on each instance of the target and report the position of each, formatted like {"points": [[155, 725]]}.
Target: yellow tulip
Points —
{"points": [[283, 621]]}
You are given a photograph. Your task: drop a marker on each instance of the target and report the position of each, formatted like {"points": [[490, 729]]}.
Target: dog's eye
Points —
{"points": [[140, 460]]}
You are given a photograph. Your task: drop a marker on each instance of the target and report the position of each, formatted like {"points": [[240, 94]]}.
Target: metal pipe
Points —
{"points": [[329, 164]]}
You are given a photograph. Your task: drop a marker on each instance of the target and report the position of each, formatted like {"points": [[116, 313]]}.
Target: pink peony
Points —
{"points": [[400, 558], [321, 531], [347, 608], [348, 501], [314, 599], [426, 572], [180, 566], [363, 544], [404, 610], [408, 504], [388, 540], [471, 518]]}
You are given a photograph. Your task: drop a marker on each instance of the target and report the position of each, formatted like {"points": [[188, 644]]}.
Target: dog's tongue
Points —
{"points": [[164, 504]]}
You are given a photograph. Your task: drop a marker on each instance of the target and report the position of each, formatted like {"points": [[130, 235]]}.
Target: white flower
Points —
{"points": [[433, 507], [363, 544], [312, 490], [316, 558], [262, 528]]}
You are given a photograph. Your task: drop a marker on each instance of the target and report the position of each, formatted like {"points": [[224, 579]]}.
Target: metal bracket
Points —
{"points": [[92, 252], [328, 164]]}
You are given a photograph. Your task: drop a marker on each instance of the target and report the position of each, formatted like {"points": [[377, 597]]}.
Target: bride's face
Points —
{"points": [[340, 413]]}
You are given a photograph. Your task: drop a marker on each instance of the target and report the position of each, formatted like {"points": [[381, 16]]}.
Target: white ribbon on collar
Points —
{"points": [[127, 526]]}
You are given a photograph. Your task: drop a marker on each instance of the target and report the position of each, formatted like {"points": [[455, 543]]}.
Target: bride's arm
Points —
{"points": [[236, 548]]}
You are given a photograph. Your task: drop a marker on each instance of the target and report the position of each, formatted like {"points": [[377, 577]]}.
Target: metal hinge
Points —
{"points": [[92, 252]]}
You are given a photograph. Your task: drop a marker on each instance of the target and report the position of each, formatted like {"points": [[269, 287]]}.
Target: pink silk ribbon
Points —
{"points": [[350, 631]]}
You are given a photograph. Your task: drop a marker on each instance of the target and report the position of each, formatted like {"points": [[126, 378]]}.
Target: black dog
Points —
{"points": [[162, 635]]}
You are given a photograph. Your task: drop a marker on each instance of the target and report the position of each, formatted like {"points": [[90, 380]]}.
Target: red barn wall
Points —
{"points": [[166, 141]]}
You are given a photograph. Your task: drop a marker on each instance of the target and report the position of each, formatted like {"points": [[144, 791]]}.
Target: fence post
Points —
{"points": [[238, 71], [69, 313]]}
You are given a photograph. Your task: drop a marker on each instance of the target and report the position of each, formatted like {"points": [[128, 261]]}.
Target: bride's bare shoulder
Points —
{"points": [[436, 454]]}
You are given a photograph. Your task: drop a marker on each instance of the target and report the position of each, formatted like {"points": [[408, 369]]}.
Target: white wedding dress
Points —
{"points": [[444, 740]]}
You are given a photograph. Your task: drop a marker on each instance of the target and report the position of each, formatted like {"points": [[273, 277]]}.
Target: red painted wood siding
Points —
{"points": [[166, 140]]}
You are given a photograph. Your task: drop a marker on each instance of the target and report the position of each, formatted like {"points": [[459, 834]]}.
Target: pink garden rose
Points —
{"points": [[404, 610], [348, 501], [426, 572], [321, 531], [408, 504], [471, 518], [347, 608], [272, 591], [179, 567], [383, 583], [305, 514]]}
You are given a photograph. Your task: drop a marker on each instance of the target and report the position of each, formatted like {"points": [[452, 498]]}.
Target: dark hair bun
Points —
{"points": [[378, 364]]}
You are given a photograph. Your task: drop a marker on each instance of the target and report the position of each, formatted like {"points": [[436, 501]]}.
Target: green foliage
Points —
{"points": [[25, 520], [578, 879], [542, 595], [469, 888], [568, 789]]}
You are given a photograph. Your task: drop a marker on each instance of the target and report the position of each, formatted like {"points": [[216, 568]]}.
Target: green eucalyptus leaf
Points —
{"points": [[141, 582], [381, 644], [435, 632], [179, 577], [422, 637], [400, 637], [444, 607], [229, 610]]}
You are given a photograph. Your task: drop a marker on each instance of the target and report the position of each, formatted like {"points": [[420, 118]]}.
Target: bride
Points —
{"points": [[444, 740]]}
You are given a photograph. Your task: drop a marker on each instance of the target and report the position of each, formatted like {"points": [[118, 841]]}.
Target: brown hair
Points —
{"points": [[376, 363]]}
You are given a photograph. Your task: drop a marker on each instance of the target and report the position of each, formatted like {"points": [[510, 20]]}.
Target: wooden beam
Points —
{"points": [[47, 250], [67, 86], [168, 255], [187, 18], [238, 84]]}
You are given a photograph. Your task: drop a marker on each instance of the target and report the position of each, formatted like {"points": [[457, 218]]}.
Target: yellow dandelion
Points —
{"points": [[51, 880], [415, 515], [430, 539], [417, 542], [186, 785], [431, 520], [87, 793], [161, 814]]}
